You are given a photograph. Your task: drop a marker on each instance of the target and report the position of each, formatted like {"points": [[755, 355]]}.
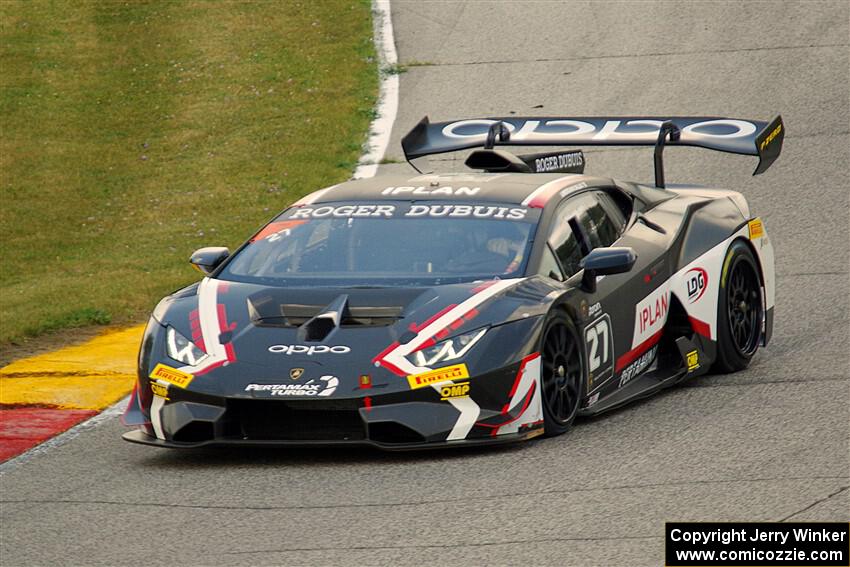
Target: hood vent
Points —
{"points": [[320, 326], [293, 308], [297, 314]]}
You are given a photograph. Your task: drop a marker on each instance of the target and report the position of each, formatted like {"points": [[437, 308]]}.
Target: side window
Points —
{"points": [[549, 265], [615, 210], [597, 222], [562, 239], [601, 220]]}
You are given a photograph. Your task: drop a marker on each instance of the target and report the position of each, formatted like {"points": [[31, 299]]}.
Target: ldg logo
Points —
{"points": [[309, 350], [697, 283]]}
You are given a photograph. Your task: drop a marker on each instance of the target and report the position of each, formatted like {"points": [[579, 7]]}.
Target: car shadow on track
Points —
{"points": [[302, 456]]}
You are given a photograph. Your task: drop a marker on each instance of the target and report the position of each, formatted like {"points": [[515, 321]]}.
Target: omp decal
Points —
{"points": [[393, 357], [636, 352], [213, 323], [540, 196], [693, 360], [439, 190], [697, 281], [756, 228], [171, 375], [159, 390], [445, 374], [651, 314], [454, 391]]}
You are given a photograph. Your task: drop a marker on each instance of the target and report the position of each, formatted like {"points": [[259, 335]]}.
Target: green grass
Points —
{"points": [[132, 133]]}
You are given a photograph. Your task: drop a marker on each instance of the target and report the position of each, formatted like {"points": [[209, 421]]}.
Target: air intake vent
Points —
{"points": [[295, 315], [316, 329]]}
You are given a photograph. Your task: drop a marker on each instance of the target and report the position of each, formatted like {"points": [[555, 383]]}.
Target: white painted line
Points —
{"points": [[114, 410], [381, 127]]}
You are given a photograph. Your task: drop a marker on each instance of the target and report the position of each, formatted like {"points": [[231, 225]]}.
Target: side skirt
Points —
{"points": [[695, 361]]}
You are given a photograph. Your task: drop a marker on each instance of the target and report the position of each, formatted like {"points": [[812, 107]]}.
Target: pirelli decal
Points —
{"points": [[171, 375], [444, 374], [756, 228]]}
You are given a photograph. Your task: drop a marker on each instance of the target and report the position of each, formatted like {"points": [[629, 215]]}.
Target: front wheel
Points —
{"points": [[739, 310], [562, 374]]}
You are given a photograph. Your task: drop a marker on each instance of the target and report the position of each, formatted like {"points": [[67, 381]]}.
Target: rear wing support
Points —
{"points": [[667, 129]]}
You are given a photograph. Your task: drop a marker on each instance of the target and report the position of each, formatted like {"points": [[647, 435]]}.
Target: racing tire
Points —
{"points": [[740, 310], [561, 374]]}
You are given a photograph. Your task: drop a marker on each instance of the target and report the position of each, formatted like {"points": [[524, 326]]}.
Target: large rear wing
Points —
{"points": [[733, 135]]}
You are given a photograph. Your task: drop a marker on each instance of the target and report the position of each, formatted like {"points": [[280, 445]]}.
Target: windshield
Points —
{"points": [[387, 244]]}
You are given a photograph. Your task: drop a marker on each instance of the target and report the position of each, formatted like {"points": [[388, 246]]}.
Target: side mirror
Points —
{"points": [[604, 261], [206, 260]]}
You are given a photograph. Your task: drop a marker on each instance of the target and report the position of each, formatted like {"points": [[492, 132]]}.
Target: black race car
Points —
{"points": [[481, 307]]}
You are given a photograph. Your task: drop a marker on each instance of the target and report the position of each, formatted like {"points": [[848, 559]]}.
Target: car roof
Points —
{"points": [[533, 190]]}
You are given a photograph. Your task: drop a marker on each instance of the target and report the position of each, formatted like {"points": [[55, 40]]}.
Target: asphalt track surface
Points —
{"points": [[770, 443]]}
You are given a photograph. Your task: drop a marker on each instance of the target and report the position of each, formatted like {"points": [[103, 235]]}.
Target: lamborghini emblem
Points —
{"points": [[296, 373]]}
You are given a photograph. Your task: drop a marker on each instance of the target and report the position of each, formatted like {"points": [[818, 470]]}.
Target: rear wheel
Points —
{"points": [[740, 310], [561, 374]]}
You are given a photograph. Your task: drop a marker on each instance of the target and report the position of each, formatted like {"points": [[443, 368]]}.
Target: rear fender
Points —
{"points": [[697, 284]]}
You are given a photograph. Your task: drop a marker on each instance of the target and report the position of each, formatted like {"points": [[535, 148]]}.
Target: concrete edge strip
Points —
{"points": [[379, 139], [114, 410], [381, 127]]}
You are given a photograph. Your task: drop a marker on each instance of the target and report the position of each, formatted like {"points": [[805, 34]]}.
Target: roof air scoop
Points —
{"points": [[319, 327]]}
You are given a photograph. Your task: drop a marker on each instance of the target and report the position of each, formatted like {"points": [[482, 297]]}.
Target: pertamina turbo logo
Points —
{"points": [[325, 386], [697, 281]]}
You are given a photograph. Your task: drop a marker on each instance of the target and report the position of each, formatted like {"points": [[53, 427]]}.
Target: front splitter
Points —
{"points": [[138, 436]]}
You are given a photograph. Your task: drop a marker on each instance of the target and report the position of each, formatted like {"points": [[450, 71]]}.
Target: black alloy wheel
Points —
{"points": [[743, 306], [740, 310], [562, 375]]}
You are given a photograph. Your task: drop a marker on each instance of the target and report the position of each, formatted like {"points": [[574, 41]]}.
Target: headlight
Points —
{"points": [[182, 349], [449, 349]]}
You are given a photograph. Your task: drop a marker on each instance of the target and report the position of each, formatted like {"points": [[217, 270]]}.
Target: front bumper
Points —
{"points": [[500, 406]]}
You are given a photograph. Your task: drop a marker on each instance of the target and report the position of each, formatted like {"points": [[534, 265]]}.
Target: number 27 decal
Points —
{"points": [[600, 355]]}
